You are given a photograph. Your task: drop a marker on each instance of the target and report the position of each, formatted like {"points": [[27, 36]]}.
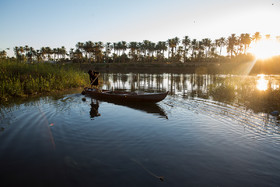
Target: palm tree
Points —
{"points": [[71, 53], [55, 53], [207, 43], [115, 47], [119, 48], [49, 52], [88, 48], [16, 51], [19, 53], [221, 42], [201, 49], [97, 51], [176, 42], [186, 43], [151, 48], [80, 46], [26, 49], [232, 41], [194, 46], [114, 55], [161, 47], [180, 53], [62, 52], [38, 55], [123, 46], [108, 49], [133, 47], [245, 41], [240, 44], [145, 46], [141, 49], [78, 55], [21, 50], [43, 52], [30, 53], [169, 41], [256, 37], [218, 43], [173, 45]]}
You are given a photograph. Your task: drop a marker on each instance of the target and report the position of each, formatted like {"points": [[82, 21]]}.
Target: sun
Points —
{"points": [[265, 48]]}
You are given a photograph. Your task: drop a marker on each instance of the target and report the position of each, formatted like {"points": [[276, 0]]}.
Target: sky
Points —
{"points": [[56, 23]]}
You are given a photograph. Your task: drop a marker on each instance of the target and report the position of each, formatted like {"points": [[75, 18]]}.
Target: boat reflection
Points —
{"points": [[94, 105], [150, 108]]}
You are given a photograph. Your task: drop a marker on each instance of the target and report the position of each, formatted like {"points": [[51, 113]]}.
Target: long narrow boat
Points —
{"points": [[122, 96]]}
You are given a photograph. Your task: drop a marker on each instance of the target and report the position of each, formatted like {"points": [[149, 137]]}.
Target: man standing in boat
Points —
{"points": [[93, 76]]}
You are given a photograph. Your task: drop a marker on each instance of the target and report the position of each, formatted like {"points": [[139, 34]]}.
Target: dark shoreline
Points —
{"points": [[271, 66]]}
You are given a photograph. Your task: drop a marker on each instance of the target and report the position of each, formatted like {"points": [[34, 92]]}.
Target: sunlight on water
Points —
{"points": [[262, 83]]}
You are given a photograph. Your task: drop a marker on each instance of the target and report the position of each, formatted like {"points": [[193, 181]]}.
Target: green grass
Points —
{"points": [[22, 79]]}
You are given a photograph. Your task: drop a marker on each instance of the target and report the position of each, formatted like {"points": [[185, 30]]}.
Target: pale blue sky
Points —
{"points": [[57, 23]]}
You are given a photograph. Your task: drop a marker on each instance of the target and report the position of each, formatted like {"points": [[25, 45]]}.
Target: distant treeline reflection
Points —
{"points": [[259, 93]]}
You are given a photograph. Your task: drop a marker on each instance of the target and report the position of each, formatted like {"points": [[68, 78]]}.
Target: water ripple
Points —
{"points": [[260, 125]]}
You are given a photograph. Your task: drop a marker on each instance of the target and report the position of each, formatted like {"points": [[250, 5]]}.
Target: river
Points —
{"points": [[211, 130]]}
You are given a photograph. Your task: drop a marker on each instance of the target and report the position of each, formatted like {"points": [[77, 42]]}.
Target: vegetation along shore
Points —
{"points": [[23, 79]]}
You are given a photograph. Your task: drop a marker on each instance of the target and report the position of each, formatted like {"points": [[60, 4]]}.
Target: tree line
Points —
{"points": [[173, 50]]}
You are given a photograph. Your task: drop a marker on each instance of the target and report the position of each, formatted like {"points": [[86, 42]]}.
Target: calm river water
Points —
{"points": [[211, 130]]}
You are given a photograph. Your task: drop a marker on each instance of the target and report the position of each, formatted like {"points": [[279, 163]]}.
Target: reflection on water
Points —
{"points": [[94, 105], [212, 130], [258, 123], [262, 83], [150, 108], [241, 90]]}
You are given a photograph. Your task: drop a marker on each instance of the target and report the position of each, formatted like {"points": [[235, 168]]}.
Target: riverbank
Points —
{"points": [[22, 79]]}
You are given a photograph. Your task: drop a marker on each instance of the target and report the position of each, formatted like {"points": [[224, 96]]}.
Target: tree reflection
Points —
{"points": [[241, 90]]}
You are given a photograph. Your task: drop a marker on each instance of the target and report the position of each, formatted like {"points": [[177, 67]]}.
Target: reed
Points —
{"points": [[22, 79]]}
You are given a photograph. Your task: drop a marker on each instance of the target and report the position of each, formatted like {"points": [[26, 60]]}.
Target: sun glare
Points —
{"points": [[262, 83], [265, 48]]}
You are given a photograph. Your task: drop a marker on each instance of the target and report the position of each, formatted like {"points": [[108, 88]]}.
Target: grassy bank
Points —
{"points": [[22, 79]]}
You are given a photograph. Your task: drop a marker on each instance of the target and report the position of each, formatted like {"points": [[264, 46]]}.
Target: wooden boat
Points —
{"points": [[123, 96]]}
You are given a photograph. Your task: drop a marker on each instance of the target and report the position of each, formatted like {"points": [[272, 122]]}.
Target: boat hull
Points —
{"points": [[125, 96]]}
